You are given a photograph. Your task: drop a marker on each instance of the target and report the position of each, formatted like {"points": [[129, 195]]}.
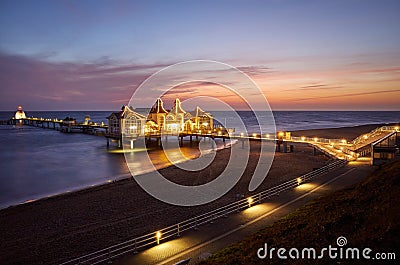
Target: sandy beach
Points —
{"points": [[348, 133], [55, 229]]}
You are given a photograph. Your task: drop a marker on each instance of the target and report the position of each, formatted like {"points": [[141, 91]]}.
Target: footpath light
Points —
{"points": [[315, 139], [250, 201], [303, 138], [299, 181], [158, 237]]}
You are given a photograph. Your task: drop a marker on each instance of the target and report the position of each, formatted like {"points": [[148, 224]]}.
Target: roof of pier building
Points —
{"points": [[126, 112], [158, 107], [198, 112], [177, 109]]}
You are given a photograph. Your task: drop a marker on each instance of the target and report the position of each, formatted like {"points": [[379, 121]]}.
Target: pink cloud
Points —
{"points": [[42, 85]]}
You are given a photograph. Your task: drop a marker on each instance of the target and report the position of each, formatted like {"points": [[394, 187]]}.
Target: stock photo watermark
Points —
{"points": [[340, 251], [227, 77]]}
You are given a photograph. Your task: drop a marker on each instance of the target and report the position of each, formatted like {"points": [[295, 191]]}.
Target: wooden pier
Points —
{"points": [[338, 148], [66, 126]]}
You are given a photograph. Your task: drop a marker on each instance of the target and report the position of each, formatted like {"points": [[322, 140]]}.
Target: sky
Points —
{"points": [[303, 55]]}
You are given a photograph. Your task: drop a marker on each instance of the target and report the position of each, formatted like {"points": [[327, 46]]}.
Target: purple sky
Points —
{"points": [[91, 55]]}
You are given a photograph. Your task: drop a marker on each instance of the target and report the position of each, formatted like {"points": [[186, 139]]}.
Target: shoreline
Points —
{"points": [[113, 179], [52, 230], [348, 133]]}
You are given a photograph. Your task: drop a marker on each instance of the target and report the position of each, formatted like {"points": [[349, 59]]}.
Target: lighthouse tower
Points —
{"points": [[20, 114]]}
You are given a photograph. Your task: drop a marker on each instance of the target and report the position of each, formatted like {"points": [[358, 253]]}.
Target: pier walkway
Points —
{"points": [[68, 126], [337, 148]]}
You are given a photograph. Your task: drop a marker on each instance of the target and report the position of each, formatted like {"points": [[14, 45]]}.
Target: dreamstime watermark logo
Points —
{"points": [[201, 72], [330, 252]]}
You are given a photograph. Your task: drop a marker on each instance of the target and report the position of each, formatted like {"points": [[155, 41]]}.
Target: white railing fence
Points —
{"points": [[173, 231]]}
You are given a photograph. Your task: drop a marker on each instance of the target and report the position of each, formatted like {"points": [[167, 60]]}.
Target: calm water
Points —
{"points": [[37, 162]]}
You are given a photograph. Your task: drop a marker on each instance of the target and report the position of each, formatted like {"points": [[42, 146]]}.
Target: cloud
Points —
{"points": [[40, 84], [256, 69], [349, 95], [313, 87]]}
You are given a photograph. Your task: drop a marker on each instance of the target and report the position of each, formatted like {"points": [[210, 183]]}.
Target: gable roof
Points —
{"points": [[126, 112], [198, 112], [158, 107], [177, 109]]}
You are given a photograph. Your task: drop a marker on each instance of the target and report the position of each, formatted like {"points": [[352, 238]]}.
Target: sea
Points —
{"points": [[36, 163]]}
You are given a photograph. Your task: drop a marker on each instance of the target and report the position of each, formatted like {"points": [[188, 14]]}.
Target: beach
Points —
{"points": [[66, 226], [347, 133]]}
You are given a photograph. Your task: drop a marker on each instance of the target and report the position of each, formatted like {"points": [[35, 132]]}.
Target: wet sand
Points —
{"points": [[56, 229]]}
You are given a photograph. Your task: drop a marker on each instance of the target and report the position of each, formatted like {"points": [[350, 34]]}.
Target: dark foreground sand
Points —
{"points": [[56, 229]]}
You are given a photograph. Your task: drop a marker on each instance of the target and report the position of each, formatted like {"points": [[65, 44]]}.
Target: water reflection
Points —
{"points": [[38, 162]]}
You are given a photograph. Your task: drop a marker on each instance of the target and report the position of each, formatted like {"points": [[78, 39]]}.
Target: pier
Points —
{"points": [[67, 126], [361, 147]]}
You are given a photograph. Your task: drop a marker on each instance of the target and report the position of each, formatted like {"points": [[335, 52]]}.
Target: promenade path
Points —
{"points": [[196, 245]]}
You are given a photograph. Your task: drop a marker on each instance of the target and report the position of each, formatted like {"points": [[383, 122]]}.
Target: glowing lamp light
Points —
{"points": [[396, 128], [315, 139], [205, 123], [254, 135], [158, 237], [250, 200], [343, 141], [299, 181], [303, 138], [267, 135], [241, 134], [365, 136]]}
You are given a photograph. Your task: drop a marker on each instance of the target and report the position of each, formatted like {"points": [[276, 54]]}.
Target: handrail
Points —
{"points": [[150, 239]]}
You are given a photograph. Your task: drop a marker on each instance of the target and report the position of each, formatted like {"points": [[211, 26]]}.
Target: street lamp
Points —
{"points": [[250, 201], [158, 237]]}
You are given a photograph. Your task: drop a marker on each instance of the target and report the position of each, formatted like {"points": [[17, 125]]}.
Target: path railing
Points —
{"points": [[173, 231], [362, 138]]}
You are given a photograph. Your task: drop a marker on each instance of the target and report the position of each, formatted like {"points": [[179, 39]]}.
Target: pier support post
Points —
{"points": [[213, 144], [284, 147]]}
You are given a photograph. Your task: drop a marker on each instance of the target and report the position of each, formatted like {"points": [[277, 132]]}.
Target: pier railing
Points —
{"points": [[173, 231]]}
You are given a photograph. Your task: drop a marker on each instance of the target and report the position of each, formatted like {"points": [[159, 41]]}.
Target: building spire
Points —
{"points": [[158, 108], [177, 107]]}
